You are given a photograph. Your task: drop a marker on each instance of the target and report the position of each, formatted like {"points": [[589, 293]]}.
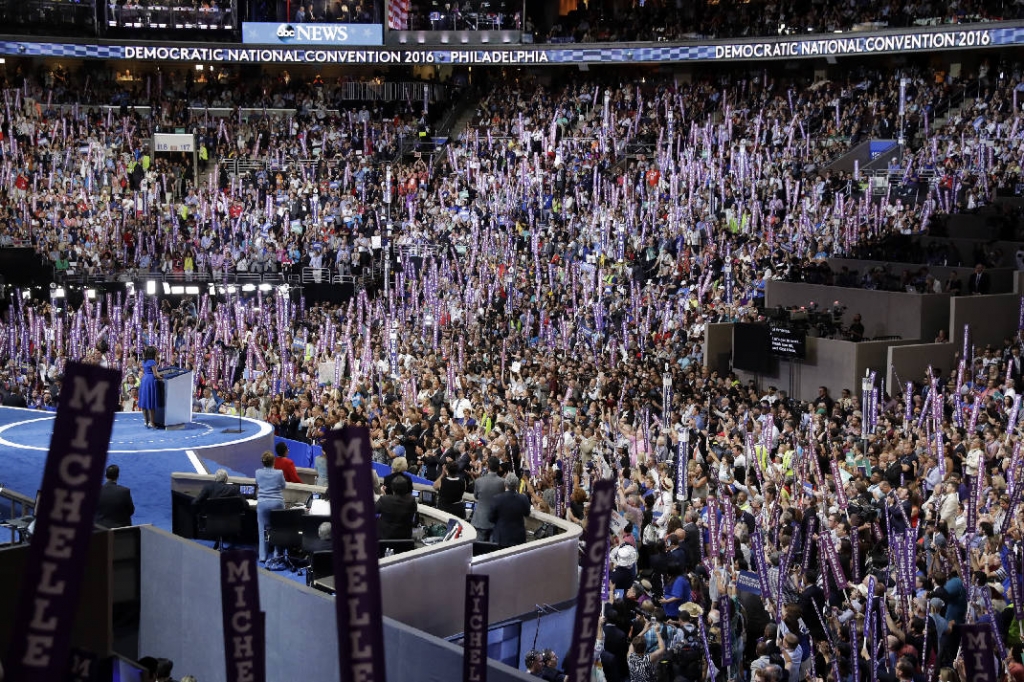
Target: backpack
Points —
{"points": [[688, 655]]}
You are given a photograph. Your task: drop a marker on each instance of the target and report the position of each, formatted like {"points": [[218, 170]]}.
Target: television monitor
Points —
{"points": [[750, 348], [787, 342]]}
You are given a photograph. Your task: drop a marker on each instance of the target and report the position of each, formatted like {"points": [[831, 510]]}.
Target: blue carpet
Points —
{"points": [[147, 457]]}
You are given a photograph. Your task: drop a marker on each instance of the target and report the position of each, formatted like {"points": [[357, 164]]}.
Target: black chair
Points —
{"points": [[321, 565], [396, 547], [311, 541], [480, 547], [220, 519], [285, 533], [183, 515]]}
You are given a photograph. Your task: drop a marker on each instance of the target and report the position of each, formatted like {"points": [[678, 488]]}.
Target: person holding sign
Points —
{"points": [[147, 387]]}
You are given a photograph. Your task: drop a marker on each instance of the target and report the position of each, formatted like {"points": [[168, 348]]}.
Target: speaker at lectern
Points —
{"points": [[173, 398]]}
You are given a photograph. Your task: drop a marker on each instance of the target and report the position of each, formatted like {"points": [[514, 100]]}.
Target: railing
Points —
{"points": [[14, 505], [354, 91], [8, 242]]}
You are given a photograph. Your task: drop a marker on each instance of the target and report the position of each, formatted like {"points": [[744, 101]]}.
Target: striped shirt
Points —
{"points": [[640, 668]]}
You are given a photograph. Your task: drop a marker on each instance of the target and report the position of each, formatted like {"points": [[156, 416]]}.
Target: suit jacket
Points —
{"points": [[978, 284], [397, 514], [486, 488], [508, 514], [115, 507], [214, 490]]}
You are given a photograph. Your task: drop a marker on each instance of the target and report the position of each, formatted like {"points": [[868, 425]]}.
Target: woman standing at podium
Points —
{"points": [[147, 387]]}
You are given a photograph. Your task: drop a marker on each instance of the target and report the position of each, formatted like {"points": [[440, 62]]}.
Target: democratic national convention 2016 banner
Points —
{"points": [[356, 571], [328, 51], [273, 33], [41, 640]]}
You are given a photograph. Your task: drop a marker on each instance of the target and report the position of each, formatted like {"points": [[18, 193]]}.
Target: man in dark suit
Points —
{"points": [[1016, 364], [115, 507], [12, 396], [217, 488], [979, 281], [508, 514], [485, 490]]}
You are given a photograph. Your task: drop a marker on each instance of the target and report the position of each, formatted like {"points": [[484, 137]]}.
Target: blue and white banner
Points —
{"points": [[323, 45], [273, 33]]}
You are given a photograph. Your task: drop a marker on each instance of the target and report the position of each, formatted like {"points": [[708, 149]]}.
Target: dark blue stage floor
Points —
{"points": [[147, 457]]}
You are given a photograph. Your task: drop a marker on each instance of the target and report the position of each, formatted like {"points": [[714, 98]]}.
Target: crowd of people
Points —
{"points": [[552, 273], [661, 21]]}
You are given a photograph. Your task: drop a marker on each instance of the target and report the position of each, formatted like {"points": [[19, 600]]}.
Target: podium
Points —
{"points": [[173, 398]]}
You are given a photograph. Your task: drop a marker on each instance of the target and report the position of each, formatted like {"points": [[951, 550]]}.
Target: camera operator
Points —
{"points": [[856, 328]]}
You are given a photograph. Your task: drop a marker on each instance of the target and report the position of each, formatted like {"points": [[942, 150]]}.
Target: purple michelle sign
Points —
{"points": [[588, 602], [45, 614], [474, 657], [244, 633], [357, 574], [979, 652]]}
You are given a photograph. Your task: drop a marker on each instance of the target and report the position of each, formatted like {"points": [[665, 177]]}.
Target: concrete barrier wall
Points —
{"points": [[912, 361], [423, 588], [832, 363], [180, 618], [93, 627], [992, 318], [1001, 278], [548, 566], [966, 248], [884, 313], [540, 572]]}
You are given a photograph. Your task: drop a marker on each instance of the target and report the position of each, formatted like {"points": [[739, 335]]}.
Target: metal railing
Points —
{"points": [[354, 91], [14, 505]]}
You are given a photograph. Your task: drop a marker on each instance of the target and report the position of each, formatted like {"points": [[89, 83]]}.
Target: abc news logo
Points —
{"points": [[313, 33]]}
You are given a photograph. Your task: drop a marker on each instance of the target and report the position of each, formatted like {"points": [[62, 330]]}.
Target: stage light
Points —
{"points": [[247, 288], [266, 287], [177, 290], [90, 294], [151, 288], [26, 295], [231, 288], [192, 291]]}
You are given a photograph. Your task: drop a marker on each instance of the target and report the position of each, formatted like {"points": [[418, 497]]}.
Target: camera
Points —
{"points": [[867, 513]]}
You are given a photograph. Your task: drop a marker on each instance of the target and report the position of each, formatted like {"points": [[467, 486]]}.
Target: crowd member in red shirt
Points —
{"points": [[285, 464]]}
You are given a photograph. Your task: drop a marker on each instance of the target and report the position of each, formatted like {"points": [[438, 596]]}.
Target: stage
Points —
{"points": [[147, 457]]}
